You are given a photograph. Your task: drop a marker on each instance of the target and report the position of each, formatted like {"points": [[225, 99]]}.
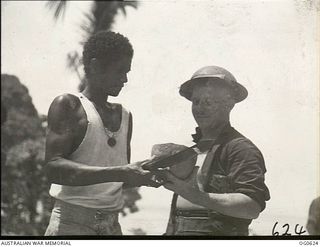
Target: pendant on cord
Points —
{"points": [[112, 142], [111, 137]]}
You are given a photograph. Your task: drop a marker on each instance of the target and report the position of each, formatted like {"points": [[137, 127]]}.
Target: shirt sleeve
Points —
{"points": [[313, 223], [246, 171]]}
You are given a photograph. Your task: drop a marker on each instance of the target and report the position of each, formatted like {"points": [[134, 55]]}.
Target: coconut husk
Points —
{"points": [[179, 159]]}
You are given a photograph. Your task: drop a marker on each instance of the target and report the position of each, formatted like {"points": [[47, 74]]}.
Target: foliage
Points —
{"points": [[100, 17], [131, 195], [59, 8], [22, 119], [25, 203]]}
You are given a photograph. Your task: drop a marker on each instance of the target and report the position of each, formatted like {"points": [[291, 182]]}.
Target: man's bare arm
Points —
{"points": [[232, 204]]}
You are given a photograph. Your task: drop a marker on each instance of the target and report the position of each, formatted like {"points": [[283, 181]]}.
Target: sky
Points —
{"points": [[271, 47]]}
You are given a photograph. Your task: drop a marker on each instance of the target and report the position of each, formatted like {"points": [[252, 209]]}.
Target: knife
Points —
{"points": [[171, 160]]}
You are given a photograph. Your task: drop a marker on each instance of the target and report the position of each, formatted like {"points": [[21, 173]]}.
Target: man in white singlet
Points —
{"points": [[88, 145]]}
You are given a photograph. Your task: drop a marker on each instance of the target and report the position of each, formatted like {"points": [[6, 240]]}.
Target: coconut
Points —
{"points": [[183, 167]]}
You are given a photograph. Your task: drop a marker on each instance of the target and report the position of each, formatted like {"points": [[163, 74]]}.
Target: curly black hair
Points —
{"points": [[106, 47]]}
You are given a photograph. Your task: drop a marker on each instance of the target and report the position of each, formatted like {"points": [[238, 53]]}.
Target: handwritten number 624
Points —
{"points": [[287, 227]]}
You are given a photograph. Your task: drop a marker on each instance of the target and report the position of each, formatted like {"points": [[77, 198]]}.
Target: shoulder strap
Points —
{"points": [[129, 136], [92, 114], [215, 153], [214, 157], [171, 222]]}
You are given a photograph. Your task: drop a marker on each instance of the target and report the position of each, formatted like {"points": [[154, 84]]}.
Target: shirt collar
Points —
{"points": [[198, 135]]}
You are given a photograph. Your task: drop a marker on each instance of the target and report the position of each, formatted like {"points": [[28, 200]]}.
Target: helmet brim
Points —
{"points": [[239, 91]]}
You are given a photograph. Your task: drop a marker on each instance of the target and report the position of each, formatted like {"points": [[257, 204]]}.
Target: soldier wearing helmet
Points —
{"points": [[226, 189]]}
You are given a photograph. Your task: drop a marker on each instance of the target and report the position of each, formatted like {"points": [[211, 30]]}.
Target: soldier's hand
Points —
{"points": [[136, 176]]}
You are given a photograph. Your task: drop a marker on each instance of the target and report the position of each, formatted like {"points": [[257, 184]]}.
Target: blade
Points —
{"points": [[188, 153]]}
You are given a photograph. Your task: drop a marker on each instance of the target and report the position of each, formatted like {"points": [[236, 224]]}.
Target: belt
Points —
{"points": [[97, 213], [105, 215], [221, 224], [195, 213]]}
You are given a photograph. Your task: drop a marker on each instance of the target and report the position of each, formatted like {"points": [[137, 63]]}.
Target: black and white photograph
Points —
{"points": [[169, 119]]}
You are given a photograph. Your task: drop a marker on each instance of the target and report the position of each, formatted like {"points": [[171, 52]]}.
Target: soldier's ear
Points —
{"points": [[93, 66]]}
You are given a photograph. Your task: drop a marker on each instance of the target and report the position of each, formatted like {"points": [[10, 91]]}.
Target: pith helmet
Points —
{"points": [[239, 91]]}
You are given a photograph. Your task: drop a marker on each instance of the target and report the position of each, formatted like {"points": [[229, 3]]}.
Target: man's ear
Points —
{"points": [[93, 66]]}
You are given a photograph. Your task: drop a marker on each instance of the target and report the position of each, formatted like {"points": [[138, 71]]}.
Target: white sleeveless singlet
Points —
{"points": [[95, 151]]}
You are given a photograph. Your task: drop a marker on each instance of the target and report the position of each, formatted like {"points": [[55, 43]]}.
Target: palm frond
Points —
{"points": [[132, 3], [87, 29], [123, 4], [123, 10], [103, 13], [87, 25], [73, 59], [58, 7], [89, 17]]}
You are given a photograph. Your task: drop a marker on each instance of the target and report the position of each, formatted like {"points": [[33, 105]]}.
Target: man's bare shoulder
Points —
{"points": [[64, 107], [66, 102]]}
